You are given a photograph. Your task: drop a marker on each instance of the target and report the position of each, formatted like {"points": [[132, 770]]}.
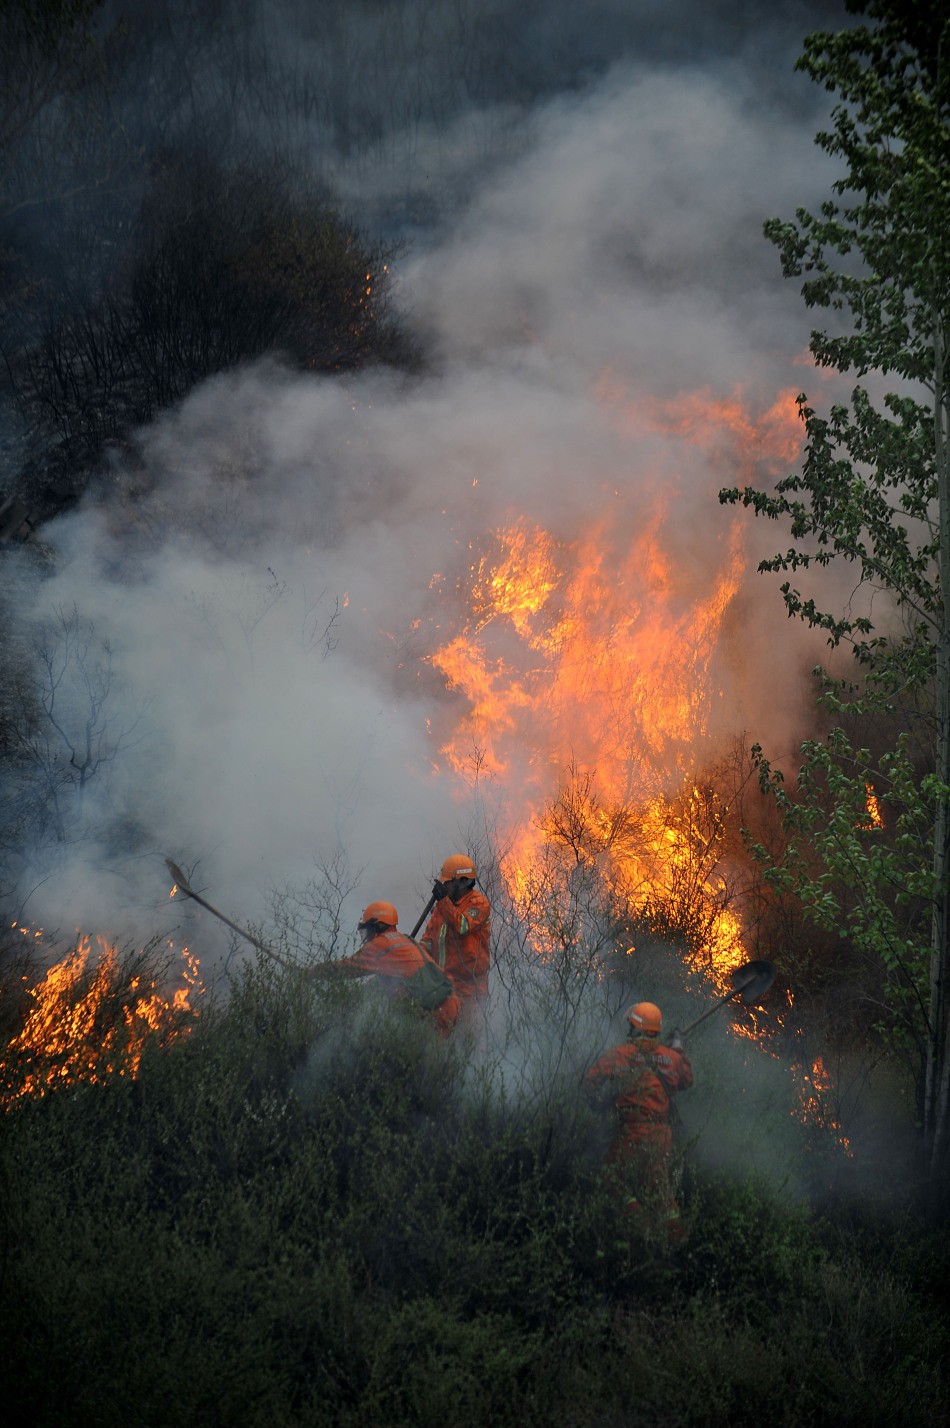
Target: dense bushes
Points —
{"points": [[215, 268], [308, 1212]]}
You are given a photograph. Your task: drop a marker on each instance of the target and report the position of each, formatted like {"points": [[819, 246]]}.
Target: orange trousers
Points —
{"points": [[638, 1171], [446, 1015]]}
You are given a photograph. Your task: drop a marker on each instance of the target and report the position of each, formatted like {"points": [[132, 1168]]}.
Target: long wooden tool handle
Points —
{"points": [[180, 879], [425, 913], [709, 1011]]}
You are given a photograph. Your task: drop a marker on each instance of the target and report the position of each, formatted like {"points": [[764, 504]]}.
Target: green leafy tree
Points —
{"points": [[873, 493]]}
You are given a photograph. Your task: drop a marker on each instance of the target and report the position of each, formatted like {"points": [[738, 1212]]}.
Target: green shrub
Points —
{"points": [[312, 1211]]}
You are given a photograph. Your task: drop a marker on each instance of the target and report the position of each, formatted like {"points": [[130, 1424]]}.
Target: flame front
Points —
{"points": [[87, 1023], [590, 670], [567, 657]]}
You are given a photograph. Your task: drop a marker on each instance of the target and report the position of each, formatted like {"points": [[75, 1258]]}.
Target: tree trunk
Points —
{"points": [[937, 1076]]}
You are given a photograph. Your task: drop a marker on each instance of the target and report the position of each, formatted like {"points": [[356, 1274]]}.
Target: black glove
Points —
{"points": [[676, 1041], [439, 890]]}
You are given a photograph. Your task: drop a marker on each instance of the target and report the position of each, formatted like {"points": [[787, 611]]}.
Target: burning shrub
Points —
{"points": [[319, 1215], [88, 1019]]}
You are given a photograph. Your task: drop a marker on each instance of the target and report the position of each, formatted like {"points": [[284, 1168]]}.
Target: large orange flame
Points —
{"points": [[597, 654]]}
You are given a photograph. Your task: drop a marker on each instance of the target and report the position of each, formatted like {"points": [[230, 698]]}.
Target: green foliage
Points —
{"points": [[874, 493], [312, 1211], [748, 1246], [863, 508], [881, 259], [862, 877]]}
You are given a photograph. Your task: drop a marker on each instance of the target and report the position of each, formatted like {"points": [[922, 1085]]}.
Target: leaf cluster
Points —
{"points": [[871, 494], [892, 129], [877, 255], [858, 878]]}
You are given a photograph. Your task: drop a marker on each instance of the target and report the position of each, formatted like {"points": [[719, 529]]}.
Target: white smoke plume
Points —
{"points": [[271, 589]]}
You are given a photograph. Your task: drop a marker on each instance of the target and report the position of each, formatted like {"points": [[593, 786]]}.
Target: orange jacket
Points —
{"points": [[644, 1075], [456, 937], [394, 959]]}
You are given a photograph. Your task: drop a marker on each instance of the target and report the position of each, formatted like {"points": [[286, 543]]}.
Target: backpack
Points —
{"points": [[430, 986]]}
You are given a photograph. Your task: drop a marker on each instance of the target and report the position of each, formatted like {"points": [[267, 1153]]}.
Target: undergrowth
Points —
{"points": [[312, 1212]]}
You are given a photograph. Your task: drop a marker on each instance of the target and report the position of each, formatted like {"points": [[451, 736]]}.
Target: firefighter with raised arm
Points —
{"points": [[457, 933], [403, 971], [641, 1076]]}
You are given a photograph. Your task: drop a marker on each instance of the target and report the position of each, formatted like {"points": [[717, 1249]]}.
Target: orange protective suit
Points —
{"points": [[456, 937], [643, 1076], [395, 960]]}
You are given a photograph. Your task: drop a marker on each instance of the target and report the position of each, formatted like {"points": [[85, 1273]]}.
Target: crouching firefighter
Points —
{"points": [[403, 971], [641, 1076]]}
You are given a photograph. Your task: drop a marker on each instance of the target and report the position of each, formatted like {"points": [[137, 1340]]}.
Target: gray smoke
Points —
{"points": [[272, 576]]}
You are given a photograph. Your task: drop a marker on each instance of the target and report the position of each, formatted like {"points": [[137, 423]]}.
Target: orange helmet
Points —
{"points": [[379, 912], [646, 1018], [457, 865]]}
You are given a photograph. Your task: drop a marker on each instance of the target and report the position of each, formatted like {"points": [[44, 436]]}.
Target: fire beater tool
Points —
{"points": [[750, 982], [183, 887]]}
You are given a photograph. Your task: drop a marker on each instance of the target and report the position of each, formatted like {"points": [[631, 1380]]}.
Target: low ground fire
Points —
{"points": [[89, 1017]]}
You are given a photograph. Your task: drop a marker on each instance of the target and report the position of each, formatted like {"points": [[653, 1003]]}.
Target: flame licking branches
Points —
{"points": [[816, 1098], [590, 671], [564, 651], [584, 657], [589, 668], [91, 1022], [875, 818]]}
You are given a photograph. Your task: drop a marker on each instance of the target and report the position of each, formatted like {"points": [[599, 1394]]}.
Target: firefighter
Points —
{"points": [[457, 933], [641, 1076], [403, 971]]}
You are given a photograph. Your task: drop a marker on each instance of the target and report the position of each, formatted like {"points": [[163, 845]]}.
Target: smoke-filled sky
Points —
{"points": [[609, 341]]}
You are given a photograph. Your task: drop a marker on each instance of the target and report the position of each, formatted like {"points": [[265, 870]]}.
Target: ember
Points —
{"points": [[816, 1096]]}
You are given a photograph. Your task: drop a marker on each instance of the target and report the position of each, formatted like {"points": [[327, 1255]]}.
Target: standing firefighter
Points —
{"points": [[403, 970], [457, 933], [642, 1076]]}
